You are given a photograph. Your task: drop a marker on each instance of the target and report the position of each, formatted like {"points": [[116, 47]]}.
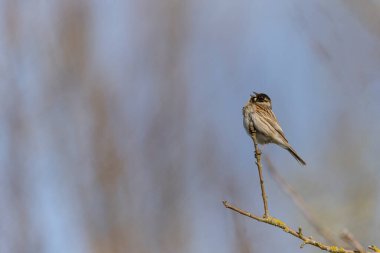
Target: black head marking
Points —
{"points": [[261, 97]]}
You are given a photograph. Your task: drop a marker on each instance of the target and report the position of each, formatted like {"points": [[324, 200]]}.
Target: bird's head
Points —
{"points": [[261, 99]]}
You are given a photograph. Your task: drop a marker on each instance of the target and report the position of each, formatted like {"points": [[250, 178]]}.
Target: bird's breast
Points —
{"points": [[247, 122]]}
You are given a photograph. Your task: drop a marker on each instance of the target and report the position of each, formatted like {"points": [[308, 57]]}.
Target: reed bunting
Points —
{"points": [[258, 116]]}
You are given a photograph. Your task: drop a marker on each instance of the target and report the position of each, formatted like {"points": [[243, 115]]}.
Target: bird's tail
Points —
{"points": [[296, 156]]}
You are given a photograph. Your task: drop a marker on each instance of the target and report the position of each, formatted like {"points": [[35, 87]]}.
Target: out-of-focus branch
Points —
{"points": [[308, 214], [351, 240], [299, 202], [259, 167]]}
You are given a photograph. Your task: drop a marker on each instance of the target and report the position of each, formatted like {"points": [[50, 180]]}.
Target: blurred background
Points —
{"points": [[121, 125]]}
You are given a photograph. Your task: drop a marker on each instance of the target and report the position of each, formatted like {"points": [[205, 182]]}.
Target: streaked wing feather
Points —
{"points": [[268, 117]]}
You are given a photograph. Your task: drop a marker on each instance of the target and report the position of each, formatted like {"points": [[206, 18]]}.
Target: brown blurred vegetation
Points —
{"points": [[106, 156]]}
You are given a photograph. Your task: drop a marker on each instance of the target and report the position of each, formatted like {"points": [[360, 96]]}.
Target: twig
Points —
{"points": [[259, 167], [299, 202], [374, 248], [350, 239], [280, 224]]}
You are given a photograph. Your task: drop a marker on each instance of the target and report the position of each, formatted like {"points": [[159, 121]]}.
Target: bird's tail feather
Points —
{"points": [[296, 156]]}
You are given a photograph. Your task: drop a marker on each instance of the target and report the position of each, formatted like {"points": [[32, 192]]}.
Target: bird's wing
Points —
{"points": [[268, 119]]}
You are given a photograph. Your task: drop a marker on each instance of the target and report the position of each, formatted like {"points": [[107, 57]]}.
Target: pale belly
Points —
{"points": [[261, 138]]}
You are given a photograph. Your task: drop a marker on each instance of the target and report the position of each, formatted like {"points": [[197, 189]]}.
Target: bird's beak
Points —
{"points": [[254, 94]]}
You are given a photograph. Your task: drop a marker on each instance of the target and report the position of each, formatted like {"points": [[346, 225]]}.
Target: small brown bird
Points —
{"points": [[258, 115]]}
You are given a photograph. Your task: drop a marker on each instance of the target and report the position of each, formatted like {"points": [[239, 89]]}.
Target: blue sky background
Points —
{"points": [[121, 126]]}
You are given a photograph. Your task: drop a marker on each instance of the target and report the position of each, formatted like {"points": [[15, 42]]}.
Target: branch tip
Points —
{"points": [[374, 248], [300, 231]]}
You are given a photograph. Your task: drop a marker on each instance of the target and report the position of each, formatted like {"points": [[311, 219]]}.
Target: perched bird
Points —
{"points": [[258, 115]]}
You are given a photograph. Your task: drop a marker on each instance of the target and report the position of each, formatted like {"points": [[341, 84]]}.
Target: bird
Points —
{"points": [[258, 116]]}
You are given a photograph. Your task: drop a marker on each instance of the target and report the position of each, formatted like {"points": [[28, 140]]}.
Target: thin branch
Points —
{"points": [[374, 248], [259, 167], [299, 202], [280, 224]]}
